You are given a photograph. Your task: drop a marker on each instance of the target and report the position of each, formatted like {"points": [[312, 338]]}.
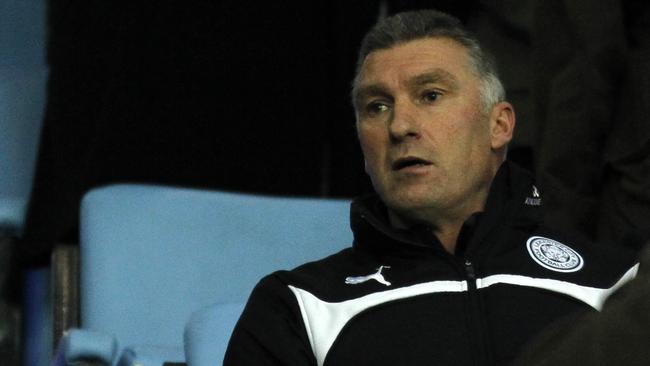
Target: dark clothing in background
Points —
{"points": [[618, 335], [593, 84], [578, 73]]}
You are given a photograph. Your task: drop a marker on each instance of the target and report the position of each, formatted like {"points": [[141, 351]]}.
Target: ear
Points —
{"points": [[502, 125]]}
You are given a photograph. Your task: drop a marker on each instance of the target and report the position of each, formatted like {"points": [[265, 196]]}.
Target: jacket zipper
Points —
{"points": [[476, 317], [469, 271]]}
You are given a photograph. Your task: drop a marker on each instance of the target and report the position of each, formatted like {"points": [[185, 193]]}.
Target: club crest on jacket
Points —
{"points": [[554, 255]]}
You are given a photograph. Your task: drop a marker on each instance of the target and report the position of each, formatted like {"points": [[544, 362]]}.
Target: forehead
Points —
{"points": [[409, 59]]}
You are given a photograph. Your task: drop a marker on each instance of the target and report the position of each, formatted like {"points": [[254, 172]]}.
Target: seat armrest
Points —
{"points": [[86, 347]]}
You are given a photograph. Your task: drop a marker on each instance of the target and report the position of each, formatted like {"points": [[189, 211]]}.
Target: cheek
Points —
{"points": [[373, 151], [371, 143], [474, 128]]}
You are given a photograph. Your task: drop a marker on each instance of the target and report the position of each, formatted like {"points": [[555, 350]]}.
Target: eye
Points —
{"points": [[430, 96], [375, 108]]}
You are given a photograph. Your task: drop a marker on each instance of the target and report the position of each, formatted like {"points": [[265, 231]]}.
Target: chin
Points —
{"points": [[410, 200]]}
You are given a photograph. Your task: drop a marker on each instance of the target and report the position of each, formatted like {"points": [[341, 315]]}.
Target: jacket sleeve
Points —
{"points": [[270, 331]]}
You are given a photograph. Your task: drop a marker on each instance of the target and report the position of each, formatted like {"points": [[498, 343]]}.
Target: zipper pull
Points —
{"points": [[469, 269]]}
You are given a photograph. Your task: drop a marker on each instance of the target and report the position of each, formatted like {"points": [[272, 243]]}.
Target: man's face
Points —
{"points": [[423, 129]]}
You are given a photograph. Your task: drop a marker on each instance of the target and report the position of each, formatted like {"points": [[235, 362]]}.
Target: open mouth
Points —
{"points": [[410, 161]]}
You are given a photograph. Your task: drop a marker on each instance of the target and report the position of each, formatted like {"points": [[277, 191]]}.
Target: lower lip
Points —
{"points": [[414, 169]]}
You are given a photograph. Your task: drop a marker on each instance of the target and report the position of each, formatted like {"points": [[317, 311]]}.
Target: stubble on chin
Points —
{"points": [[411, 203]]}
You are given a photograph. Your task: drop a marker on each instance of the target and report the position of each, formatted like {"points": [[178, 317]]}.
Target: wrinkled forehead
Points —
{"points": [[424, 53], [418, 61]]}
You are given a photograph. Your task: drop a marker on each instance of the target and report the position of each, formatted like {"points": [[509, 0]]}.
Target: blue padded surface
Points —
{"points": [[12, 213], [80, 344], [23, 76], [151, 255], [208, 331]]}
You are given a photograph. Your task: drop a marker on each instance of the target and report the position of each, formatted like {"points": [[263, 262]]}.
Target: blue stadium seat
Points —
{"points": [[150, 256], [23, 75]]}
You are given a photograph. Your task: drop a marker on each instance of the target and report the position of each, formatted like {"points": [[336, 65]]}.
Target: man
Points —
{"points": [[451, 263]]}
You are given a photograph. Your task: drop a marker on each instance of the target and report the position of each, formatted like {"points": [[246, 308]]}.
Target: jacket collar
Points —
{"points": [[512, 200]]}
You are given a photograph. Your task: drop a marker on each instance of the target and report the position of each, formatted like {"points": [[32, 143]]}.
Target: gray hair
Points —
{"points": [[414, 25]]}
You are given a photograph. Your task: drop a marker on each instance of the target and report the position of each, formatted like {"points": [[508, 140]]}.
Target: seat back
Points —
{"points": [[23, 76], [151, 255], [208, 331]]}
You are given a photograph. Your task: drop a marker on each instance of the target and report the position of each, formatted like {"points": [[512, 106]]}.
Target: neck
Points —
{"points": [[446, 230]]}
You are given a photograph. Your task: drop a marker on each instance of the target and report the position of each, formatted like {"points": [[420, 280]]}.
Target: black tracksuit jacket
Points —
{"points": [[510, 277]]}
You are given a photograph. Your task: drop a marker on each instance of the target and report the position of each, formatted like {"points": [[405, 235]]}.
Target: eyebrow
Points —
{"points": [[433, 76], [367, 91], [436, 75]]}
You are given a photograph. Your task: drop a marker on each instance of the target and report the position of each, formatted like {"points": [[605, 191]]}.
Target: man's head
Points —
{"points": [[413, 25], [431, 116]]}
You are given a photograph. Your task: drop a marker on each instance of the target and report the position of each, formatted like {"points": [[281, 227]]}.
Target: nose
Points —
{"points": [[404, 122]]}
